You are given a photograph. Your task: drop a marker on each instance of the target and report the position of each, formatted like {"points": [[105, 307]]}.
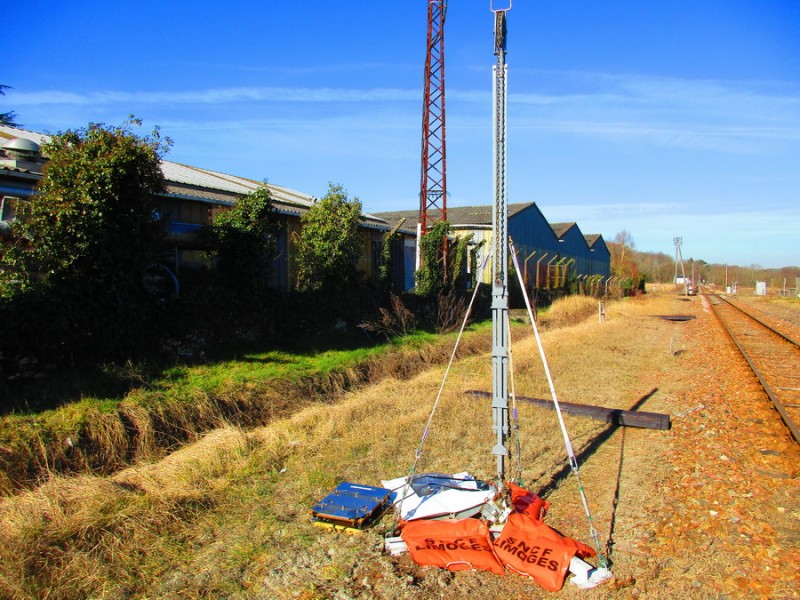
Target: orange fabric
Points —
{"points": [[525, 501], [581, 549], [455, 544], [531, 548]]}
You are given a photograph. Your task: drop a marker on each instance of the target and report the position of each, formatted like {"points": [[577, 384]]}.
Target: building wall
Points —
{"points": [[599, 262], [292, 229], [535, 243], [572, 245], [477, 235], [190, 204], [543, 259], [409, 263], [280, 264]]}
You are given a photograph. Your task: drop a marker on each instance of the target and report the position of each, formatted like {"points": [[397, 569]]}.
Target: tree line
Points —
{"points": [[658, 267]]}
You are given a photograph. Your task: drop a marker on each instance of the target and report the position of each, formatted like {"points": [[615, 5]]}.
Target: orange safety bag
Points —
{"points": [[529, 547], [454, 544], [525, 501]]}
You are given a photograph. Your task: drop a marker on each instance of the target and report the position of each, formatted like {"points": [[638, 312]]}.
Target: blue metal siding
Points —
{"points": [[409, 262], [600, 259], [534, 239], [531, 232], [573, 244]]}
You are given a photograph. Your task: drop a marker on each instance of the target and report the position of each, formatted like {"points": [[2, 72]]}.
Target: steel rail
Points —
{"points": [[759, 321], [793, 428]]}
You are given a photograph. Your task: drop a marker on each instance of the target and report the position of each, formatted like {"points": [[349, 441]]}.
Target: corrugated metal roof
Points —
{"points": [[458, 215], [9, 133], [591, 238], [395, 216], [23, 173], [561, 228], [204, 185], [207, 179], [208, 183]]}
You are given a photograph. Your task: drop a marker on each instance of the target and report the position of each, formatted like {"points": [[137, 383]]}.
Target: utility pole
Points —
{"points": [[679, 260], [500, 337]]}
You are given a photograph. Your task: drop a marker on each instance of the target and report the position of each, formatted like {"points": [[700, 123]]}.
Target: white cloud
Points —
{"points": [[719, 116], [218, 96]]}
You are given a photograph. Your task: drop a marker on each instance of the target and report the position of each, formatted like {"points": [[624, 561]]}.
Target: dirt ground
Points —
{"points": [[708, 509], [729, 518]]}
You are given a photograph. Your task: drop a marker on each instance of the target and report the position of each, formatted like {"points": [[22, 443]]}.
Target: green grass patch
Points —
{"points": [[163, 408]]}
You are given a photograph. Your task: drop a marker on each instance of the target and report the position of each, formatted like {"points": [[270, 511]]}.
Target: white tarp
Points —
{"points": [[432, 495]]}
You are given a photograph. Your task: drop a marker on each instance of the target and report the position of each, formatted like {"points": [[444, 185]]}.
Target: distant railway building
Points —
{"points": [[548, 253]]}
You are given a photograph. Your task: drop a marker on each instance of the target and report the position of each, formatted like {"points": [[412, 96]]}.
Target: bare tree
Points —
{"points": [[622, 253]]}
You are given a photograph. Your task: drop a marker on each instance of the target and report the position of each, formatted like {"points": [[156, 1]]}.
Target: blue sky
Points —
{"points": [[660, 118]]}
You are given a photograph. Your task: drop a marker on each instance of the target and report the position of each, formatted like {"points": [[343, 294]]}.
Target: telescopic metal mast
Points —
{"points": [[500, 337]]}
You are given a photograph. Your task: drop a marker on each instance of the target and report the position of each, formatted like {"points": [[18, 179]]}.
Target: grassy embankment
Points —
{"points": [[162, 411]]}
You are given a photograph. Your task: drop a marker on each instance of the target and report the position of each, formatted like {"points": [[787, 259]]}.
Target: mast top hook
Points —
{"points": [[496, 10]]}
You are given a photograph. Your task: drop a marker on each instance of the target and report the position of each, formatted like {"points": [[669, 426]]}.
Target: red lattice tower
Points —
{"points": [[433, 188]]}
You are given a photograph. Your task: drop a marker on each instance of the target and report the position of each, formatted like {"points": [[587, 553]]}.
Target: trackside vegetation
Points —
{"points": [[164, 410], [98, 371], [228, 516]]}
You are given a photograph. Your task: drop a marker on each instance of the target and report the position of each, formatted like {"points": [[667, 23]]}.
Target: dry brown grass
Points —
{"points": [[569, 311], [228, 515]]}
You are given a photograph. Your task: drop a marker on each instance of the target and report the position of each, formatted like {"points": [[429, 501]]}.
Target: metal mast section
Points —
{"points": [[433, 186], [500, 337]]}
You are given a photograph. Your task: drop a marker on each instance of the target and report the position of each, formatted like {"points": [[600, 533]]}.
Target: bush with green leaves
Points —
{"points": [[430, 279], [244, 239], [329, 243], [72, 282], [437, 274]]}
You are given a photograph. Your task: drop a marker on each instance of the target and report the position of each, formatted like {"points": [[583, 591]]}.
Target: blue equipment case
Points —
{"points": [[351, 505]]}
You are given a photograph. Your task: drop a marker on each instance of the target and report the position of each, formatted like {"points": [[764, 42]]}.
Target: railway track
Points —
{"points": [[773, 356]]}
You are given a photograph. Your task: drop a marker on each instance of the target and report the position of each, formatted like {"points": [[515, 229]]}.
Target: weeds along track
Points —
{"points": [[773, 356], [786, 318]]}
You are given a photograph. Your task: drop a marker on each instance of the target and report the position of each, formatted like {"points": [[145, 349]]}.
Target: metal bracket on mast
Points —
{"points": [[500, 337]]}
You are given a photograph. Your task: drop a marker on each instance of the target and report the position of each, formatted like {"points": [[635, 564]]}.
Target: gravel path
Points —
{"points": [[734, 527]]}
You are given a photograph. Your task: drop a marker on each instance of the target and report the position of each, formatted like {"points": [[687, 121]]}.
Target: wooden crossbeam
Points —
{"points": [[616, 416]]}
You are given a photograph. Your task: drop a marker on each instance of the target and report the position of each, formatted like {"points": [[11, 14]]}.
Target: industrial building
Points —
{"points": [[192, 196], [549, 254]]}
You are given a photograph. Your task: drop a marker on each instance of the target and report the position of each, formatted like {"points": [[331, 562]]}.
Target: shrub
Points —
{"points": [[73, 280]]}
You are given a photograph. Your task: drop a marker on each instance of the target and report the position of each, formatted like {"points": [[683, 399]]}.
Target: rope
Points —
{"points": [[573, 461], [426, 431]]}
